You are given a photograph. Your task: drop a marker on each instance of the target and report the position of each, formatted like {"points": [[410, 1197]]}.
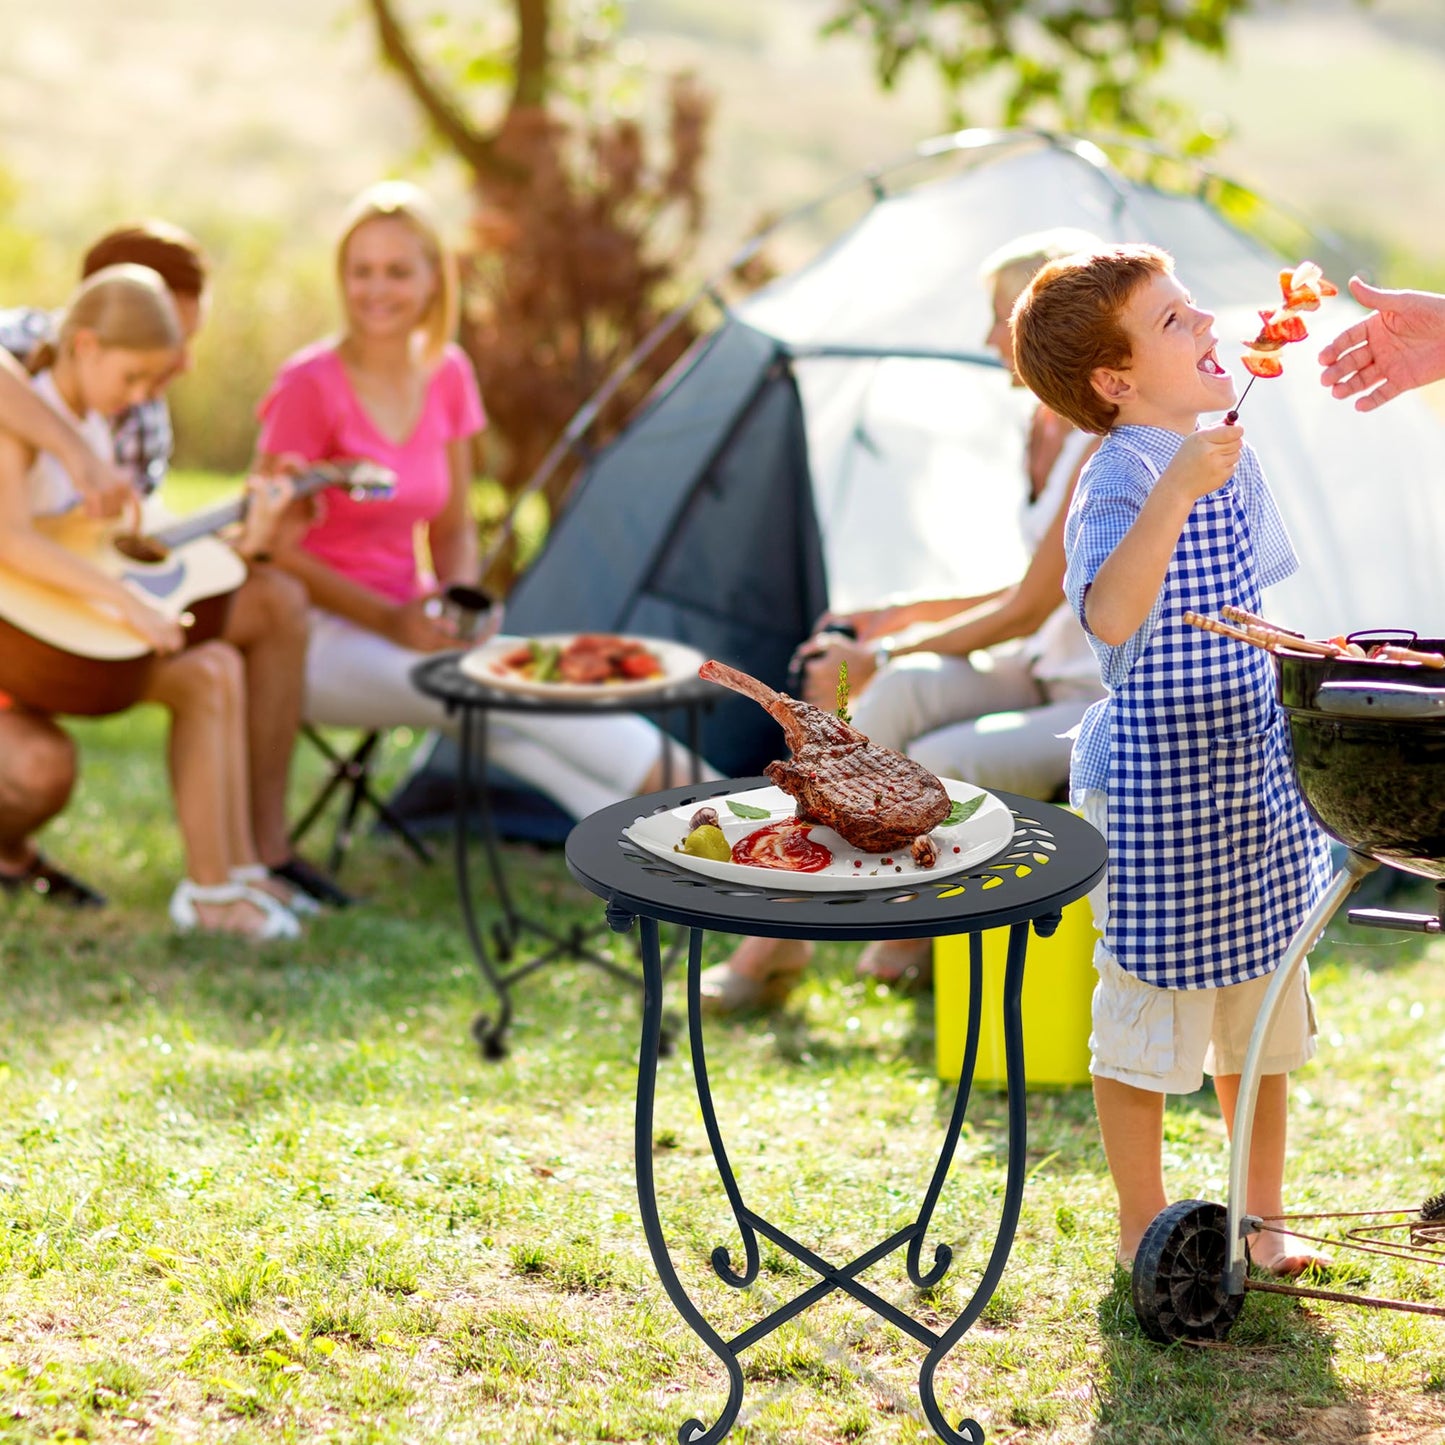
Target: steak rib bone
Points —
{"points": [[873, 798]]}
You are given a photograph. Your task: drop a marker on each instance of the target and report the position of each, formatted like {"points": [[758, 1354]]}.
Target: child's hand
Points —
{"points": [[1205, 462]]}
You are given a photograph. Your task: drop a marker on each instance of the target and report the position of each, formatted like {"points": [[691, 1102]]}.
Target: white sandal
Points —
{"points": [[278, 922], [301, 903]]}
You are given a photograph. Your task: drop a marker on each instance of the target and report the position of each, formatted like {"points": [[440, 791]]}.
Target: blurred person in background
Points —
{"points": [[267, 618], [988, 689], [117, 338], [394, 387], [37, 758]]}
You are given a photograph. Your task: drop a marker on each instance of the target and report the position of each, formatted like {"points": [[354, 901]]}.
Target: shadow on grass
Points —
{"points": [[1272, 1379]]}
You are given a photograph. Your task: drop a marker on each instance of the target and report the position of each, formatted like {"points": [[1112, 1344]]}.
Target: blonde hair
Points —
{"points": [[405, 202], [125, 306], [1016, 261], [1066, 326]]}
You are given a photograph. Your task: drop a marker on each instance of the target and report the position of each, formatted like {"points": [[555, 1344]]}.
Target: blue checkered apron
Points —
{"points": [[1214, 861]]}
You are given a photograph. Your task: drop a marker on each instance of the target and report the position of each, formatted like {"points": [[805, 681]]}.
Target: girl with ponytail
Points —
{"points": [[119, 335]]}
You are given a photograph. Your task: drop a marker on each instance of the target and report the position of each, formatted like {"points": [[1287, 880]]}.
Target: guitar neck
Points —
{"points": [[212, 519]]}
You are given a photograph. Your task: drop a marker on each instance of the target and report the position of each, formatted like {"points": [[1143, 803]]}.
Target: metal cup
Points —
{"points": [[465, 607]]}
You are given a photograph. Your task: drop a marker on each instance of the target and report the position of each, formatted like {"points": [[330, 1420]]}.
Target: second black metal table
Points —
{"points": [[442, 677], [1053, 858]]}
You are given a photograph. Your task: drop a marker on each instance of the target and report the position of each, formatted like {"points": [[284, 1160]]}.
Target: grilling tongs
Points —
{"points": [[1275, 639]]}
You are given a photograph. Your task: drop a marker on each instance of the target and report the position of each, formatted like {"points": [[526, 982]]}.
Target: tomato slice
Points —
{"points": [[637, 665], [1282, 325], [1259, 364], [784, 845]]}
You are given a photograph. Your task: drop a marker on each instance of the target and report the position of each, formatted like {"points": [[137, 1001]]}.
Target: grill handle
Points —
{"points": [[1382, 701]]}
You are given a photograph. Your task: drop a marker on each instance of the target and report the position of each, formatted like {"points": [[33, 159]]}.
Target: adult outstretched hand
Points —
{"points": [[1400, 345]]}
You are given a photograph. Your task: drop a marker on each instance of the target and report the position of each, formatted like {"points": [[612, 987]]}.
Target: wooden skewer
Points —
{"points": [[1409, 654]]}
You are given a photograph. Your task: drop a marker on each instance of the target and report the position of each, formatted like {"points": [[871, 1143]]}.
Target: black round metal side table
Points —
{"points": [[1052, 858], [441, 677]]}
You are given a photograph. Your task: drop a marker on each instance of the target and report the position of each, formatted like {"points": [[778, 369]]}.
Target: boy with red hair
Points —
{"points": [[1184, 766]]}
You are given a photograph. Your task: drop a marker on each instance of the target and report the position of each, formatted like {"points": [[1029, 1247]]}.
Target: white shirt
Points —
{"points": [[52, 490], [1059, 650]]}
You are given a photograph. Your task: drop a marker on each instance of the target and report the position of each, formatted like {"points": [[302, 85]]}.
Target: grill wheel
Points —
{"points": [[1178, 1283]]}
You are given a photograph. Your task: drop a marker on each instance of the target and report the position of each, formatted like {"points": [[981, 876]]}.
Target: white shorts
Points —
{"points": [[1164, 1039]]}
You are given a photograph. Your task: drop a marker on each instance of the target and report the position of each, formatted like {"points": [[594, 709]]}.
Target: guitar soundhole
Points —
{"points": [[141, 549]]}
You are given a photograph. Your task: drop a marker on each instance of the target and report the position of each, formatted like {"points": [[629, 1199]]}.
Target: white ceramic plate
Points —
{"points": [[987, 831], [484, 664]]}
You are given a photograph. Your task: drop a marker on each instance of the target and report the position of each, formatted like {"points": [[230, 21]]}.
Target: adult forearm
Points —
{"points": [[331, 591], [454, 554], [1013, 615]]}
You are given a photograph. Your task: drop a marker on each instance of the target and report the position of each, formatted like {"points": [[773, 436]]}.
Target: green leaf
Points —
{"points": [[746, 810], [961, 811]]}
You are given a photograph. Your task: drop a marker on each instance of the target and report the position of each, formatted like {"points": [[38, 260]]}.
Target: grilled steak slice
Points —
{"points": [[874, 798]]}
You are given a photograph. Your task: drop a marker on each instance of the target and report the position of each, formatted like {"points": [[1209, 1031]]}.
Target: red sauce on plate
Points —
{"points": [[784, 845]]}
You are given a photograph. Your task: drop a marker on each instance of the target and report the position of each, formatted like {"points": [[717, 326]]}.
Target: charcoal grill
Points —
{"points": [[1367, 738]]}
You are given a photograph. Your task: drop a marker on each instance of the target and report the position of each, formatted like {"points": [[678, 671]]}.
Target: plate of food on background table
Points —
{"points": [[580, 666]]}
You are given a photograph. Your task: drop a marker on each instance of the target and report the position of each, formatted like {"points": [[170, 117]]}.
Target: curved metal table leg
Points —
{"points": [[721, 1260], [692, 1432], [970, 1432], [942, 1253], [490, 1036]]}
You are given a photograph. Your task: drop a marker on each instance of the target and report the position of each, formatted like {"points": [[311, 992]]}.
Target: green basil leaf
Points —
{"points": [[746, 810], [960, 812]]}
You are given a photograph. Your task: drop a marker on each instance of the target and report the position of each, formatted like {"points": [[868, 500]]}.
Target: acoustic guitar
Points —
{"points": [[65, 654]]}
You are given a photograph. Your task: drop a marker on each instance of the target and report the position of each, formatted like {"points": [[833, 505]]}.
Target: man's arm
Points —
{"points": [[1400, 345], [27, 415]]}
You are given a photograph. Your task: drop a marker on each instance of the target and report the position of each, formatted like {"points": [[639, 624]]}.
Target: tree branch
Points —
{"points": [[534, 61], [475, 148]]}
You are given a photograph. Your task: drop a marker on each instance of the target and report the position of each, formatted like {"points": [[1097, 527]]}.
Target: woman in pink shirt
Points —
{"points": [[392, 387]]}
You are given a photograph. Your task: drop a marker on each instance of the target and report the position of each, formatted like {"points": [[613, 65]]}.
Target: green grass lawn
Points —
{"points": [[274, 1194]]}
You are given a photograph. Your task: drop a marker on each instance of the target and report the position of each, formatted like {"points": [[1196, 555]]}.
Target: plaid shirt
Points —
{"points": [[1214, 860], [141, 435]]}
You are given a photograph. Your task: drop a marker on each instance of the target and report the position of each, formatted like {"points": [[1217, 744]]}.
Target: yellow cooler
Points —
{"points": [[1058, 987]]}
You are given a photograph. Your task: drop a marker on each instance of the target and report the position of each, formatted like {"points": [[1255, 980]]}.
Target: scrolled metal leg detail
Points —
{"points": [[969, 1431]]}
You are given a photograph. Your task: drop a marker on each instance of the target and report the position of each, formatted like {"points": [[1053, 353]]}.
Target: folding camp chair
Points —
{"points": [[352, 773]]}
